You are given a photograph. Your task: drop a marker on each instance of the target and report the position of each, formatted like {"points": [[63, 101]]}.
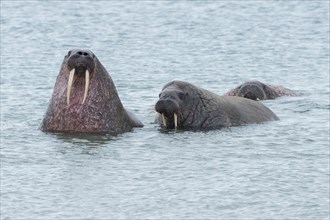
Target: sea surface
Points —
{"points": [[274, 170]]}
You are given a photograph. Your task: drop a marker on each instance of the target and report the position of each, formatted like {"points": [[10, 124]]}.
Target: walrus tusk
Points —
{"points": [[86, 85], [164, 120], [175, 120], [68, 89]]}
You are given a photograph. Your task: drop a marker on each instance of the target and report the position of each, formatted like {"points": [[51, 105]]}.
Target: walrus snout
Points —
{"points": [[251, 95], [252, 91], [81, 60], [168, 108]]}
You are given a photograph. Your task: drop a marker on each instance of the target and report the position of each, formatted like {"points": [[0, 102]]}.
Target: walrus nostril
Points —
{"points": [[83, 53]]}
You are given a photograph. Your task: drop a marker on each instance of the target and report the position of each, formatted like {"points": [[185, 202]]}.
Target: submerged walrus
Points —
{"points": [[257, 90], [185, 106], [85, 99]]}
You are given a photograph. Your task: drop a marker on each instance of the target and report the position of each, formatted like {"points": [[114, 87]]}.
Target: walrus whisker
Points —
{"points": [[68, 89], [164, 120], [175, 120], [86, 85]]}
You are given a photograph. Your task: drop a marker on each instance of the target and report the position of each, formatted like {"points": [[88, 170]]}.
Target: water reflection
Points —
{"points": [[86, 139], [96, 145]]}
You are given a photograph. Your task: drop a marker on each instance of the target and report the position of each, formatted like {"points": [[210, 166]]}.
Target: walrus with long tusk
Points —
{"points": [[257, 90], [184, 106], [85, 99]]}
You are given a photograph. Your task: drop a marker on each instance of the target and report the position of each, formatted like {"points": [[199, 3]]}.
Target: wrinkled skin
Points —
{"points": [[200, 109], [102, 110], [257, 90]]}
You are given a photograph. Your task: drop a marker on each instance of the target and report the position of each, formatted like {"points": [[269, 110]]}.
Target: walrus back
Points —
{"points": [[244, 111]]}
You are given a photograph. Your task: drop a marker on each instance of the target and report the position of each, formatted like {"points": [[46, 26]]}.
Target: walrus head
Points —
{"points": [[255, 90], [85, 99], [168, 106], [179, 105]]}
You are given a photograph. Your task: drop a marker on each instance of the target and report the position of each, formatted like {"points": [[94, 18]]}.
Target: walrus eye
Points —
{"points": [[181, 95], [69, 53]]}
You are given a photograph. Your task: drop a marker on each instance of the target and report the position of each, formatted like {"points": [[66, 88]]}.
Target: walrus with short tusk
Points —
{"points": [[257, 90], [85, 99], [182, 105]]}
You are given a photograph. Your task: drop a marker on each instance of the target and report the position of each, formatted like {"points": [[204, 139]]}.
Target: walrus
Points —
{"points": [[182, 105], [85, 99], [257, 90]]}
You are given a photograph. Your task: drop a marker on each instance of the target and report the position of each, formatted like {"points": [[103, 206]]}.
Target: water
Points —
{"points": [[276, 170]]}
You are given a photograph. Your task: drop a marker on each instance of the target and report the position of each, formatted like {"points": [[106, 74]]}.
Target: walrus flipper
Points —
{"points": [[135, 122]]}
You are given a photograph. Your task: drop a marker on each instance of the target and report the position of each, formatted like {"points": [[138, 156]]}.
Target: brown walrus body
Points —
{"points": [[185, 106], [85, 99], [257, 90]]}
